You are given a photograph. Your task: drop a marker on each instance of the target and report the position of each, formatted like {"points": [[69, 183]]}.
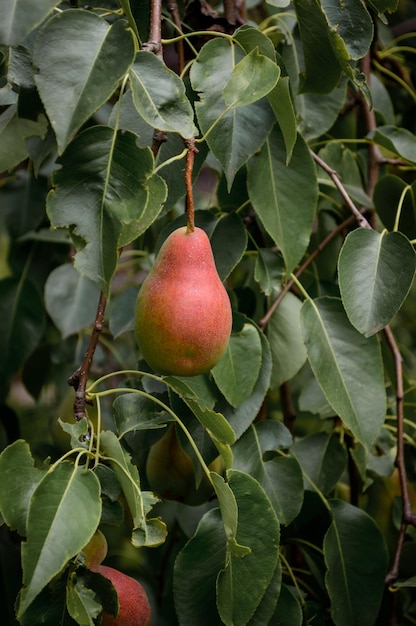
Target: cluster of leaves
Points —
{"points": [[302, 115]]}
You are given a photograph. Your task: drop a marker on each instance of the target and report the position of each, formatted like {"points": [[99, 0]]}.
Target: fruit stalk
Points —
{"points": [[189, 166]]}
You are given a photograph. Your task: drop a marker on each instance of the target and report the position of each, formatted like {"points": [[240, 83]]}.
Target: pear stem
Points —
{"points": [[189, 166]]}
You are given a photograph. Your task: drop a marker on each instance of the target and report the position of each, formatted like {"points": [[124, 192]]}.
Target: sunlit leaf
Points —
{"points": [[159, 96], [235, 135], [252, 78]]}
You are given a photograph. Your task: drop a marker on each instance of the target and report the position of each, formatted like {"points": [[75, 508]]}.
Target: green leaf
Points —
{"points": [[20, 478], [195, 572], [281, 102], [70, 299], [356, 557], [348, 367], [251, 39], [159, 96], [322, 67], [234, 134], [243, 582], [80, 602], [241, 417], [14, 130], [400, 141], [237, 371], [252, 78], [86, 57], [288, 609], [134, 412], [350, 27], [121, 311], [59, 525], [228, 242], [323, 459], [105, 184], [269, 270], [280, 476], [376, 271], [284, 196], [23, 320], [286, 341], [146, 532], [19, 17]]}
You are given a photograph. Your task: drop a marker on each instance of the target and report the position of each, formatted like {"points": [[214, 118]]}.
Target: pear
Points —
{"points": [[183, 314], [134, 606]]}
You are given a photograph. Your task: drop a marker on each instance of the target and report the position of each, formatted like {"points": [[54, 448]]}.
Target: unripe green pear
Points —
{"points": [[134, 605], [171, 474], [183, 314], [96, 550]]}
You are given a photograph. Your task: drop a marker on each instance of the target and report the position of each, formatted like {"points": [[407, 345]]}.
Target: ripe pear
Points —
{"points": [[134, 605], [183, 314]]}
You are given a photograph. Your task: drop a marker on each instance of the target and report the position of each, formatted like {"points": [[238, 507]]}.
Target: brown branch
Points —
{"points": [[173, 9], [79, 378], [189, 167], [408, 516], [154, 44], [350, 204], [320, 247]]}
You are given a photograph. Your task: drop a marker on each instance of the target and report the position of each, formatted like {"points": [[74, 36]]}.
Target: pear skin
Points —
{"points": [[183, 315]]}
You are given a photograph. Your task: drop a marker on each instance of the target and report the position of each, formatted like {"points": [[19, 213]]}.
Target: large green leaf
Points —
{"points": [[280, 476], [23, 320], [323, 459], [376, 272], [70, 299], [196, 570], [244, 580], [322, 67], [237, 371], [159, 96], [286, 341], [14, 130], [64, 513], [348, 367], [350, 27], [241, 417], [252, 78], [19, 17], [86, 57], [234, 134], [20, 478], [356, 557], [284, 196], [103, 187]]}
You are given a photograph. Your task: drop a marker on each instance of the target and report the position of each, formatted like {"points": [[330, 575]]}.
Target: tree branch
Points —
{"points": [[79, 378], [154, 44]]}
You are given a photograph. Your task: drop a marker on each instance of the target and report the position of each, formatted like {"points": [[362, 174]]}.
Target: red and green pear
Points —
{"points": [[134, 605], [183, 314]]}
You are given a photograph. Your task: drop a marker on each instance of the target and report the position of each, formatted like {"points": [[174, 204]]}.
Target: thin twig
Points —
{"points": [[320, 247], [408, 516], [350, 204], [173, 9], [79, 378]]}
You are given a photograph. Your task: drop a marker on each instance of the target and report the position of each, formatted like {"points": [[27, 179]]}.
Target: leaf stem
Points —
{"points": [[400, 207]]}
